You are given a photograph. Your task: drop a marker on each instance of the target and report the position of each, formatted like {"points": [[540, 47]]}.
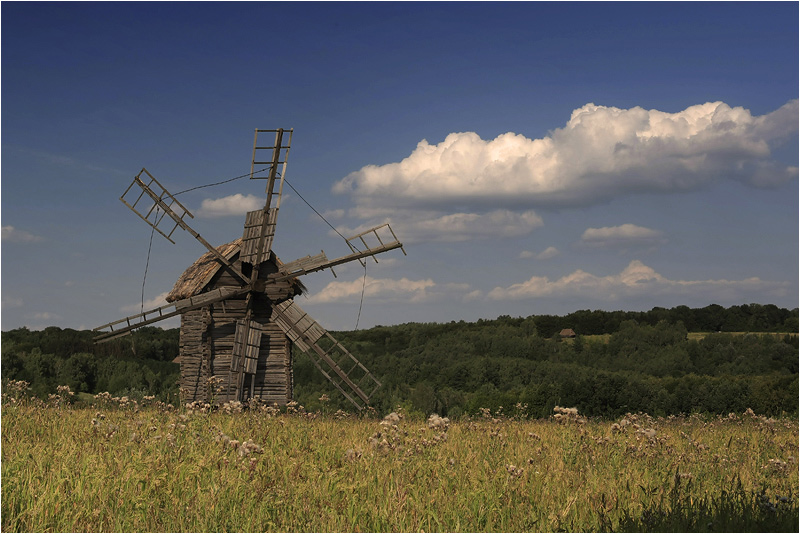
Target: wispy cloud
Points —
{"points": [[46, 316], [15, 235], [155, 302], [637, 279], [546, 254], [11, 302], [431, 226], [601, 152], [237, 204], [625, 235], [381, 288]]}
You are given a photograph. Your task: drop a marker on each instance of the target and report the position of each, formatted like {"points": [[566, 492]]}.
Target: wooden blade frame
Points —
{"points": [[267, 217], [311, 264], [125, 326], [244, 357], [166, 204], [305, 332]]}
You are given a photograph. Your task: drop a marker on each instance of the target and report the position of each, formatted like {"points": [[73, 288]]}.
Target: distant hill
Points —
{"points": [[618, 362]]}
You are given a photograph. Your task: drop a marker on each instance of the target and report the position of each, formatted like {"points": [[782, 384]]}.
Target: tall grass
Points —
{"points": [[153, 468]]}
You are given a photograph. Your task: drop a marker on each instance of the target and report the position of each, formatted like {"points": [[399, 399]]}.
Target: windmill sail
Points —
{"points": [[125, 326], [258, 233], [161, 202], [374, 246], [244, 358], [343, 370], [248, 339], [259, 226]]}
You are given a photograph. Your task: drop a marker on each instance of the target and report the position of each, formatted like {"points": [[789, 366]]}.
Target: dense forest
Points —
{"points": [[619, 362]]}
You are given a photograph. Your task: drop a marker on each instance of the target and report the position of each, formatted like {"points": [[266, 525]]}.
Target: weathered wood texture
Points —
{"points": [[208, 339]]}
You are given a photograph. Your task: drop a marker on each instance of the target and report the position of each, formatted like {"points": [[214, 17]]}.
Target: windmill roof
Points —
{"points": [[200, 273], [196, 277]]}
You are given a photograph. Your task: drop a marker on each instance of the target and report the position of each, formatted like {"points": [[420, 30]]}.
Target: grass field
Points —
{"points": [[124, 467]]}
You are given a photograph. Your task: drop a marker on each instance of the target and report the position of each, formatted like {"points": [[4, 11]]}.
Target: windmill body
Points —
{"points": [[208, 334], [238, 320]]}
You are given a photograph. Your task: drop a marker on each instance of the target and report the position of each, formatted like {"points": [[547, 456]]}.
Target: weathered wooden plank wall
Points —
{"points": [[207, 339]]}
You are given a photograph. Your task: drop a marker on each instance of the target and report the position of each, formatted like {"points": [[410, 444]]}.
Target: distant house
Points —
{"points": [[567, 333]]}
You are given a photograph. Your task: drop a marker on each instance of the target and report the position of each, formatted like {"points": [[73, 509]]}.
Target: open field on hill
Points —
{"points": [[123, 467], [694, 336]]}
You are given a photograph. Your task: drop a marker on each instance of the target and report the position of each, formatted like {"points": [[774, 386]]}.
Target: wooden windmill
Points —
{"points": [[238, 319]]}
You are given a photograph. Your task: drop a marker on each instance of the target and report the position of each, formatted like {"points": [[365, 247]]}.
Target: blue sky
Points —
{"points": [[533, 157]]}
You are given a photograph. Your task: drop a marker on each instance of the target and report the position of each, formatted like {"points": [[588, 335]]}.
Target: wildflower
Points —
{"points": [[434, 421], [247, 448], [649, 433], [391, 419], [564, 415], [351, 455], [777, 466], [514, 471], [232, 407]]}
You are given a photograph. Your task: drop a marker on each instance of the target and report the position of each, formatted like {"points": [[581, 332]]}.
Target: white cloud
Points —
{"points": [[636, 279], [334, 214], [14, 235], [600, 153], [155, 302], [623, 235], [237, 204], [425, 226], [549, 252], [385, 288], [546, 254]]}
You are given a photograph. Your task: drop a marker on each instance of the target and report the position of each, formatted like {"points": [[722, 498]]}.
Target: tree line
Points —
{"points": [[619, 362]]}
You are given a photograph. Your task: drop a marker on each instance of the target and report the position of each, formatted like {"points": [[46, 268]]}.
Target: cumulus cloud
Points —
{"points": [[14, 235], [384, 288], [621, 236], [237, 204], [637, 279], [600, 153]]}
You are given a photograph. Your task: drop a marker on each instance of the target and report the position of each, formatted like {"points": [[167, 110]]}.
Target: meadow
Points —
{"points": [[120, 465]]}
